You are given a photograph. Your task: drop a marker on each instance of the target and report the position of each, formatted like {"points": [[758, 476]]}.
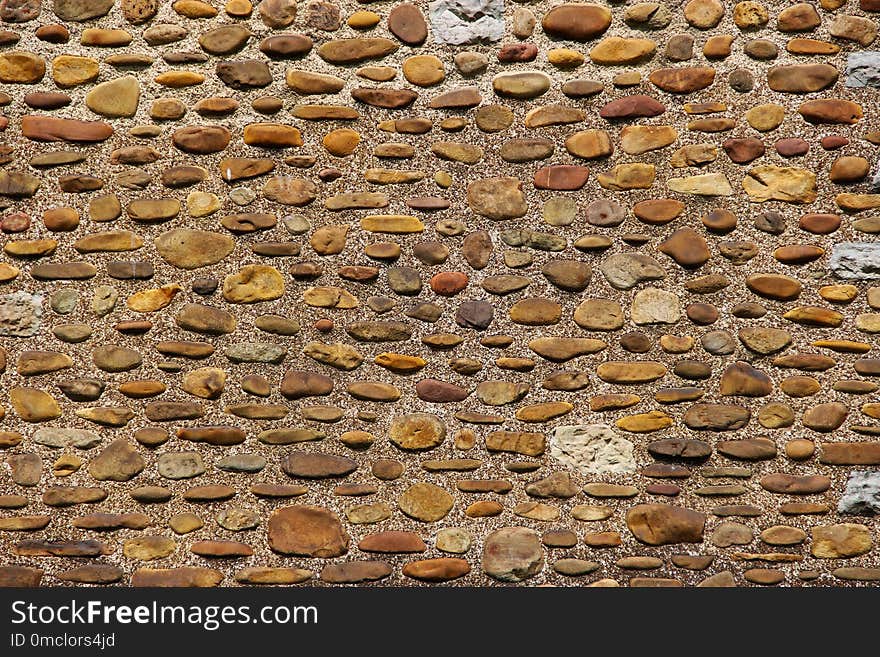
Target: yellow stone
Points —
{"points": [[626, 79], [816, 316], [341, 142], [149, 301], [202, 204], [639, 371], [31, 248], [33, 405], [72, 70], [104, 38], [543, 412], [857, 202], [66, 464], [636, 175], [871, 409], [400, 363], [21, 67], [252, 284], [618, 50], [645, 422], [766, 117], [8, 272], [330, 297], [393, 176], [424, 70], [443, 179], [838, 293], [868, 322], [676, 344], [772, 183], [392, 223], [844, 346], [363, 20], [377, 73], [194, 9], [238, 8], [565, 57], [179, 79]]}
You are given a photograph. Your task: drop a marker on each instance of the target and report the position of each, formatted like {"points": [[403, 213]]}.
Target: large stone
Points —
{"points": [[497, 198], [855, 260], [116, 98], [655, 306], [425, 502], [20, 314], [801, 78], [576, 21], [626, 270], [862, 494], [20, 67], [789, 184], [863, 69], [417, 431], [120, 461], [307, 531], [841, 541], [592, 449], [33, 405], [512, 554], [81, 10], [460, 22], [663, 524], [252, 284]]}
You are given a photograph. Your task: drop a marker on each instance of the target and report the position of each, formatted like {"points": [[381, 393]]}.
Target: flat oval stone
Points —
{"points": [[521, 85], [201, 140], [795, 484], [353, 51], [682, 80], [576, 21], [801, 78]]}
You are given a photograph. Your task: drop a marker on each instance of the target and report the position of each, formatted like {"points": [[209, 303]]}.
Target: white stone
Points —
{"points": [[592, 449]]}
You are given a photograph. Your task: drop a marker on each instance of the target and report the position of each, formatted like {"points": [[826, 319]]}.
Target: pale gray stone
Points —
{"points": [[592, 449], [180, 465], [855, 260], [242, 463], [20, 314], [512, 554], [62, 437], [466, 21], [862, 493], [863, 69], [256, 352], [655, 306], [626, 270]]}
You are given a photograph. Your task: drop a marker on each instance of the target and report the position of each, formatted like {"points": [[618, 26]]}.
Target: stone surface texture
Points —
{"points": [[402, 293]]}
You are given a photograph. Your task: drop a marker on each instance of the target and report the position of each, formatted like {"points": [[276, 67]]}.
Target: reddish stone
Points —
{"points": [[406, 22], [449, 283], [792, 147], [631, 107], [819, 224], [833, 142], [15, 223], [440, 392], [669, 490], [48, 128], [561, 177], [743, 150], [517, 52]]}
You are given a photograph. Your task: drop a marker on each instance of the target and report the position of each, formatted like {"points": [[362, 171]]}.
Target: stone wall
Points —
{"points": [[478, 291]]}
